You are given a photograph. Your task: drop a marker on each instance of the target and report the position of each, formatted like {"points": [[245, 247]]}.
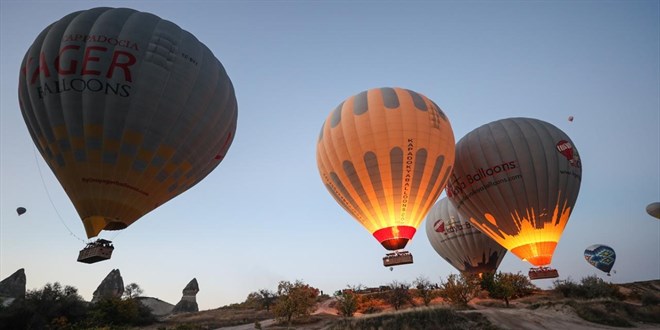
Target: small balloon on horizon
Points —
{"points": [[21, 210], [653, 210], [570, 118]]}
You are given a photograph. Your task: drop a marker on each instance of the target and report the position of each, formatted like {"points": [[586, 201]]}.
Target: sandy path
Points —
{"points": [[544, 318]]}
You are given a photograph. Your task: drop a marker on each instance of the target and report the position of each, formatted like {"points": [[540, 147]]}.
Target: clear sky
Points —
{"points": [[263, 215]]}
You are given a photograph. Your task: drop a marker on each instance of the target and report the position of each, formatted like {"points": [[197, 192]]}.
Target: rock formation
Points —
{"points": [[111, 286], [158, 307], [13, 286], [188, 302]]}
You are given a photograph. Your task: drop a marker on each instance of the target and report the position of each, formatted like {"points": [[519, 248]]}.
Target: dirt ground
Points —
{"points": [[550, 316]]}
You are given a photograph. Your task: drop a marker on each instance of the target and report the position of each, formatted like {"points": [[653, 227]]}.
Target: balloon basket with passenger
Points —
{"points": [[540, 273], [397, 258], [96, 251]]}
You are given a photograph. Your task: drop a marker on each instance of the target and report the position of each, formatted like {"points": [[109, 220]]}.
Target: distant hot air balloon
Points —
{"points": [[455, 239], [517, 180], [600, 256], [653, 210], [21, 210], [570, 118], [385, 155], [127, 109]]}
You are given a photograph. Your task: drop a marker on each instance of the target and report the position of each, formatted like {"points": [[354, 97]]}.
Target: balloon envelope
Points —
{"points": [[385, 155], [600, 256], [653, 210], [127, 109], [21, 210], [455, 239], [517, 180]]}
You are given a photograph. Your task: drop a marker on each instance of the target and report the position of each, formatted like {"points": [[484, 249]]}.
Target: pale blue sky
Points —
{"points": [[264, 215]]}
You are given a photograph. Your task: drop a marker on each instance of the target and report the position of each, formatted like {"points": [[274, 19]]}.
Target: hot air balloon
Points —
{"points": [[570, 118], [127, 109], [600, 256], [456, 240], [517, 180], [385, 155], [21, 210], [653, 210]]}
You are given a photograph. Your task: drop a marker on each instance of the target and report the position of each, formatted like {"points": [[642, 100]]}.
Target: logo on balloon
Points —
{"points": [[439, 226], [452, 227], [566, 149]]}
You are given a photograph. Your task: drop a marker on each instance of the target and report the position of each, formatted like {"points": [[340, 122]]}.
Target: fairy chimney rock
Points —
{"points": [[111, 286], [14, 285], [188, 302]]}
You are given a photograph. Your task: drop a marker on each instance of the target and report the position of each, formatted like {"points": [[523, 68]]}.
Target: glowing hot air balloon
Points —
{"points": [[517, 180], [600, 256], [385, 155], [127, 109], [455, 239]]}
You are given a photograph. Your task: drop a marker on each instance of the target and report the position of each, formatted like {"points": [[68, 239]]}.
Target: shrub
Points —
{"points": [[568, 288], [595, 287], [589, 288], [649, 299], [601, 314], [437, 318]]}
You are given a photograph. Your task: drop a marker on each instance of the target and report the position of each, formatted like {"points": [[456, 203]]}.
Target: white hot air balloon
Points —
{"points": [[456, 240], [127, 109], [517, 180]]}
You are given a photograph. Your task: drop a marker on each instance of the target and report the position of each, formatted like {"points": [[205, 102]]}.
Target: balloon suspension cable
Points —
{"points": [[36, 159]]}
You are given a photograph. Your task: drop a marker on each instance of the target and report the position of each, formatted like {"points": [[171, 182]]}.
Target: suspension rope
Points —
{"points": [[36, 159]]}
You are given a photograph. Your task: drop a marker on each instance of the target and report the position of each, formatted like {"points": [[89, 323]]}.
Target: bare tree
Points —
{"points": [[424, 289], [263, 298], [399, 295], [132, 291]]}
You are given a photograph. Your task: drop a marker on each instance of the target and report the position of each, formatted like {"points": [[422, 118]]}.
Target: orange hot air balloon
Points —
{"points": [[385, 155], [128, 110], [517, 179]]}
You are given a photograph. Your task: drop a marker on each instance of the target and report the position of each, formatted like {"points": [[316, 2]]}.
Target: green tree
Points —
{"points": [[508, 286], [487, 281], [117, 312], [53, 306], [460, 289], [502, 287], [348, 301], [132, 291], [294, 300], [424, 289]]}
